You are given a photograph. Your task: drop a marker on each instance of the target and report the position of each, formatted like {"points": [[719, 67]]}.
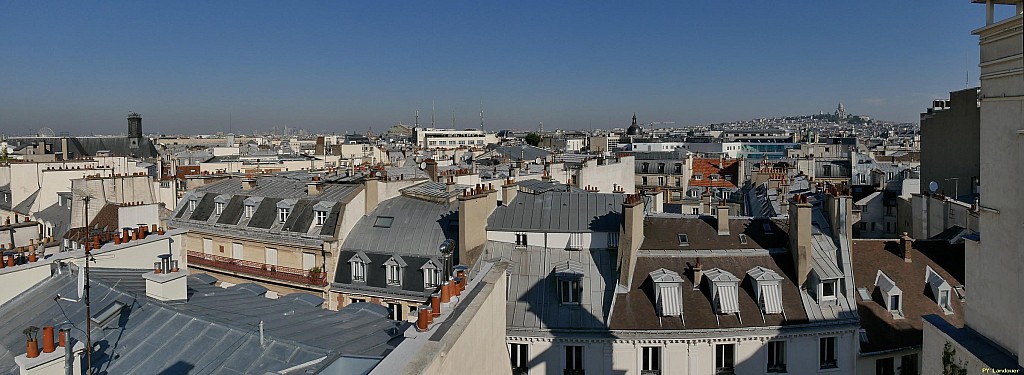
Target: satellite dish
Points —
{"points": [[933, 186]]}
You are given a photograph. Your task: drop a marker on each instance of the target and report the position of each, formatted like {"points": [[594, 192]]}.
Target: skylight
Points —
{"points": [[767, 228], [743, 239], [383, 222], [683, 240]]}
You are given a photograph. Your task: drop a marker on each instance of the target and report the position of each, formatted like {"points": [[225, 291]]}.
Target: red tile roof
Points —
{"points": [[707, 167]]}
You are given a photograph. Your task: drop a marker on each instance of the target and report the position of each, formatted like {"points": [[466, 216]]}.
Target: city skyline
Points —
{"points": [[344, 67]]}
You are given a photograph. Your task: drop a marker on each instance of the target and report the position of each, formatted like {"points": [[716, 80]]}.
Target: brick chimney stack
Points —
{"points": [[905, 244]]}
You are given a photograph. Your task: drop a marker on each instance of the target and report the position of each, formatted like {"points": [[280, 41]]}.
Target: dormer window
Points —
{"points": [[521, 240], [431, 274], [321, 217], [698, 176], [724, 294], [393, 270], [891, 294], [192, 204], [767, 289], [941, 290], [219, 207], [828, 290], [320, 212], [282, 214], [767, 228], [743, 239], [358, 264], [684, 240], [249, 210], [569, 275], [668, 292], [713, 177]]}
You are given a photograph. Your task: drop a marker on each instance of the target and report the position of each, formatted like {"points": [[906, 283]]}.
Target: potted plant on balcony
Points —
{"points": [[315, 273]]}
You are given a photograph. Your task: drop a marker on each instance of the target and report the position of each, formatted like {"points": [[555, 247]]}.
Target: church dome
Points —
{"points": [[634, 129]]}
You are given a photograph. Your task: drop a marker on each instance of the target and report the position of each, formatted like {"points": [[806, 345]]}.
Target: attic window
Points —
{"points": [[891, 294], [667, 292], [767, 228], [191, 204], [569, 275], [767, 289], [698, 176], [683, 239], [828, 290], [219, 207], [941, 290], [282, 214], [383, 222], [249, 210], [713, 177], [724, 291], [743, 239]]}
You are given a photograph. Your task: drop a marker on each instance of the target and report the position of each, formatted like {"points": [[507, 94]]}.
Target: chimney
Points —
{"points": [[698, 274], [475, 206], [631, 235], [431, 169], [371, 186], [723, 219], [50, 362], [509, 191], [905, 243], [705, 203], [450, 184], [166, 282], [800, 245], [314, 186], [249, 182]]}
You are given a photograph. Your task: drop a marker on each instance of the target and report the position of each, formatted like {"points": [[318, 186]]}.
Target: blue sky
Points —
{"points": [[350, 66]]}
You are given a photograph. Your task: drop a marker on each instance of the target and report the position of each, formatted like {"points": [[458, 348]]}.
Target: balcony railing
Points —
{"points": [[289, 274]]}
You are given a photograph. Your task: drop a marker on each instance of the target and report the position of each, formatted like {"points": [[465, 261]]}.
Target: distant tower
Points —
{"points": [[134, 130], [840, 111], [635, 128]]}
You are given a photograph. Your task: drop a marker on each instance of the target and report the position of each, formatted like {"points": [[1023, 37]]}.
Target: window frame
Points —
{"points": [[777, 359], [651, 360], [519, 356], [724, 365], [320, 217], [359, 266], [569, 292], [282, 214], [827, 355], [574, 359], [249, 210], [393, 275]]}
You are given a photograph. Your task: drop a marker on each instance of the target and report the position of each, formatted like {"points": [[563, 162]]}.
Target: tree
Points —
{"points": [[950, 364], [533, 139]]}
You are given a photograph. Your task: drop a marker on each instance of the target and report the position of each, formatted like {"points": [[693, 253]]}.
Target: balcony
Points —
{"points": [[289, 274]]}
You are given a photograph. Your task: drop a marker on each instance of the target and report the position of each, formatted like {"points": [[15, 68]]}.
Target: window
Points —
{"points": [[725, 357], [743, 239], [643, 180], [776, 356], [864, 225], [573, 360], [644, 167], [357, 300], [651, 364], [908, 364], [885, 366], [661, 167], [569, 290], [767, 228], [894, 302], [207, 246], [661, 181], [271, 256], [693, 193], [395, 311], [219, 208], [383, 222], [698, 176], [358, 271], [520, 356], [944, 299], [521, 240], [826, 170], [249, 209], [679, 182], [394, 275], [191, 204], [321, 217], [714, 177], [828, 289], [679, 168], [683, 239], [575, 241], [827, 353], [431, 278], [695, 211], [236, 251], [282, 214]]}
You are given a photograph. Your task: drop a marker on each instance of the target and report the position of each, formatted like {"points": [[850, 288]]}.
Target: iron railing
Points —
{"points": [[248, 267]]}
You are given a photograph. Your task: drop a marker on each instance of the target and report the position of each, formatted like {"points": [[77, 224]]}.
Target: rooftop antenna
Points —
{"points": [[86, 197], [481, 115], [417, 123], [431, 113], [229, 123]]}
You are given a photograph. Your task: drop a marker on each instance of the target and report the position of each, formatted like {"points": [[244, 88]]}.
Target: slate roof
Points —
{"points": [[661, 233], [635, 310], [418, 228], [533, 300], [541, 187], [57, 215], [884, 332], [26, 205], [88, 146], [215, 332], [300, 224], [559, 213]]}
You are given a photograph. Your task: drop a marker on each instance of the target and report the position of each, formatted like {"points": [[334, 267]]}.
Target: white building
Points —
{"points": [[451, 138]]}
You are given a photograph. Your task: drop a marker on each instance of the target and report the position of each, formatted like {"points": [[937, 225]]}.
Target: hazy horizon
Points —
{"points": [[336, 67]]}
